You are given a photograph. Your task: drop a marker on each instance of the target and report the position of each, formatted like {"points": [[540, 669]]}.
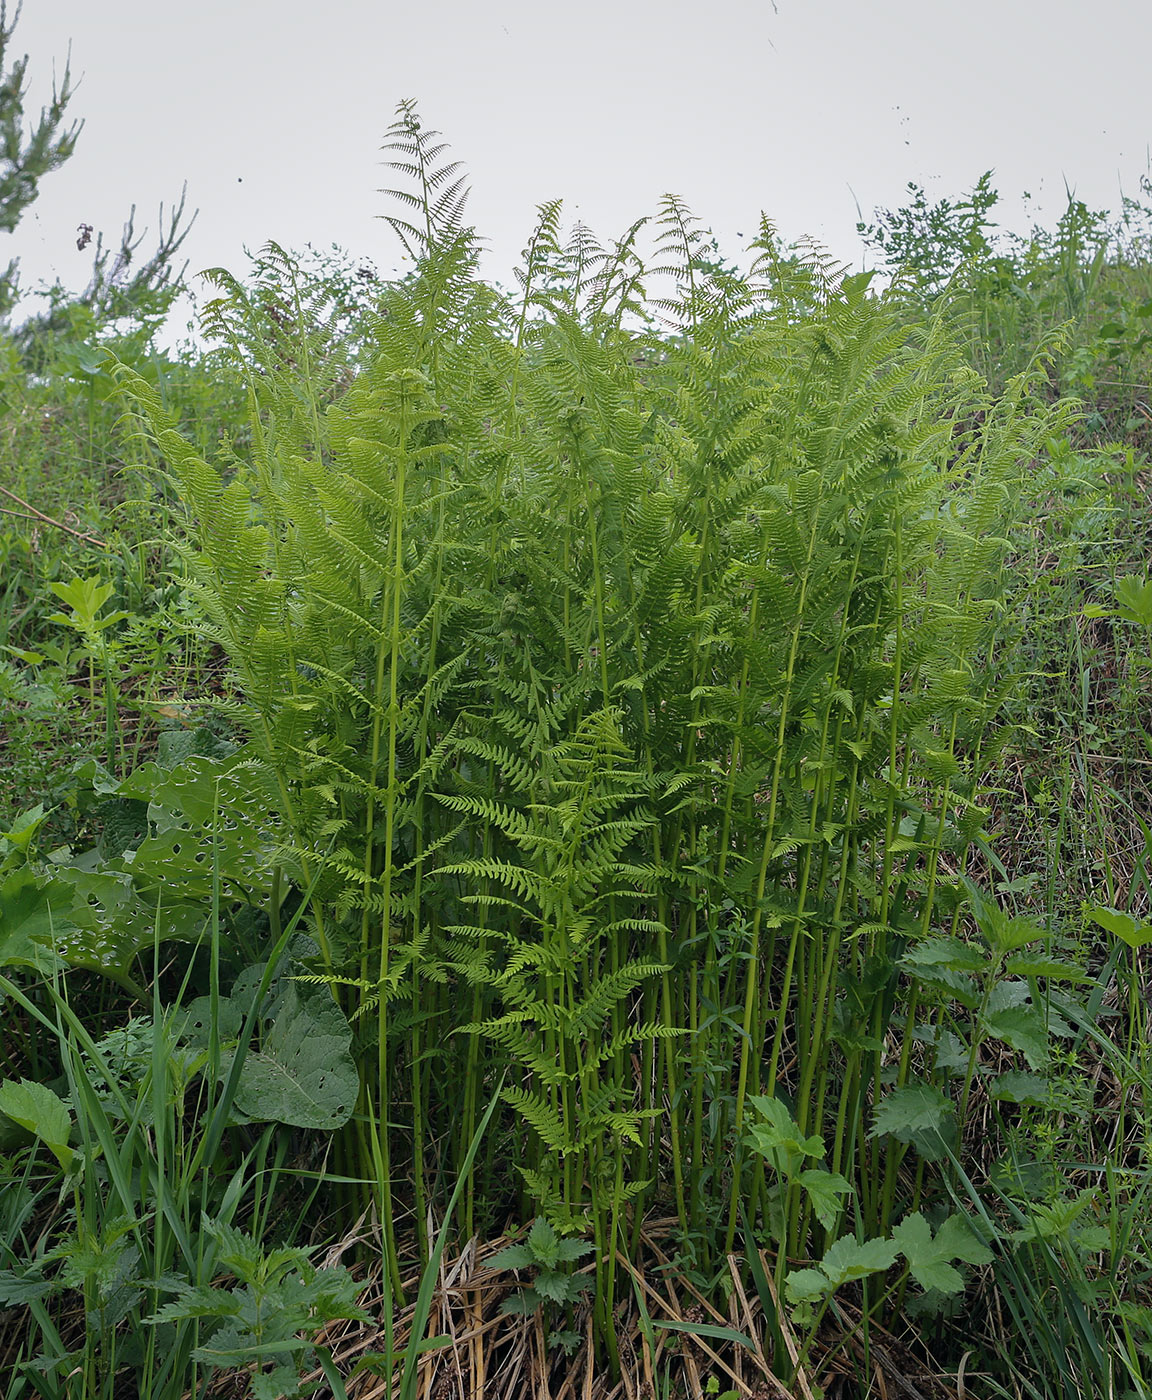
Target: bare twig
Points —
{"points": [[47, 519]]}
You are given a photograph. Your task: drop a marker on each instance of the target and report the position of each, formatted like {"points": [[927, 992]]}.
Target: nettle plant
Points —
{"points": [[622, 701], [548, 1259]]}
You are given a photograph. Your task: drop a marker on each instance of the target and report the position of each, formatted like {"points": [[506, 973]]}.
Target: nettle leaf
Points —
{"points": [[851, 1031], [283, 1383], [826, 1191], [513, 1256], [551, 1285], [931, 1261], [1023, 1028], [947, 963], [943, 954], [522, 1304], [1018, 1086], [42, 1113], [21, 1286], [543, 1242], [1023, 965], [1004, 933], [574, 1249], [920, 1115], [952, 1053]]}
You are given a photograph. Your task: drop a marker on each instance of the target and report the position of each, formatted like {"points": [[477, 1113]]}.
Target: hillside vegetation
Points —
{"points": [[590, 840]]}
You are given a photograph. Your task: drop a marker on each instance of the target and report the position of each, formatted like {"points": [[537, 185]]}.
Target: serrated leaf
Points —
{"points": [[1022, 1028], [1018, 1086], [806, 1285], [850, 1259], [947, 963], [826, 1191], [283, 1383], [778, 1139], [943, 952], [574, 1249], [513, 1256], [20, 1287], [1005, 934], [543, 1242], [1024, 965], [553, 1286], [920, 1115], [931, 1260], [958, 1235]]}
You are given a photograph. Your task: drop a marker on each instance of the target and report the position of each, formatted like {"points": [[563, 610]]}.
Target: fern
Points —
{"points": [[625, 695]]}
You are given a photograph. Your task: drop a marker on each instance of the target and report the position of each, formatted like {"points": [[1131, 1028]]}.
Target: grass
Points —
{"points": [[615, 773]]}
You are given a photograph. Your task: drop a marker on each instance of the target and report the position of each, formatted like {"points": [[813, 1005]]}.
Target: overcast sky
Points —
{"points": [[274, 112]]}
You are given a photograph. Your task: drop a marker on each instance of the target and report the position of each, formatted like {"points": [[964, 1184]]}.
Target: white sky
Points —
{"points": [[274, 112]]}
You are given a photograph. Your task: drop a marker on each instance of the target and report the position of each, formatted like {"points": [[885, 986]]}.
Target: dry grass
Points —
{"points": [[491, 1355]]}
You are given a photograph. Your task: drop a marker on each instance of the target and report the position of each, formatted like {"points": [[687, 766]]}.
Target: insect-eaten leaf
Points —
{"points": [[299, 1069]]}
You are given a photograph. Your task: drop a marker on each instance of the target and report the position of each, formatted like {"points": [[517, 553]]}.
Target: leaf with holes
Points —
{"points": [[208, 812], [299, 1070]]}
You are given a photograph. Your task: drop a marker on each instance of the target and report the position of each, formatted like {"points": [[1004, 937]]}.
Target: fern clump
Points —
{"points": [[624, 669]]}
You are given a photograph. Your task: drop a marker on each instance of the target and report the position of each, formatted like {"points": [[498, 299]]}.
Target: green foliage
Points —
{"points": [[299, 1070], [543, 1252], [623, 684], [555, 645], [44, 1114], [276, 1296], [929, 242]]}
